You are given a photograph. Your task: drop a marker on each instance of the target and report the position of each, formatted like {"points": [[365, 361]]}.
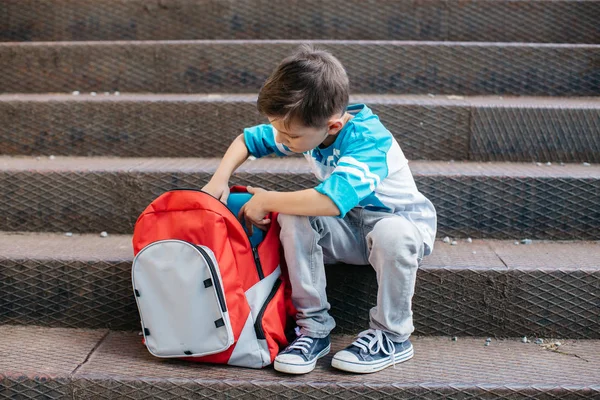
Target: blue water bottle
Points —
{"points": [[235, 202]]}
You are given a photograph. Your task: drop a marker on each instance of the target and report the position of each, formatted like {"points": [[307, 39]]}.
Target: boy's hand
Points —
{"points": [[217, 189], [254, 211]]}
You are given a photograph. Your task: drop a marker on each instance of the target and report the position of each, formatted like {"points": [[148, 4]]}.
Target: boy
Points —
{"points": [[366, 209]]}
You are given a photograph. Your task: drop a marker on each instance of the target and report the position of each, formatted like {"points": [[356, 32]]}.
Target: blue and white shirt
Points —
{"points": [[364, 167]]}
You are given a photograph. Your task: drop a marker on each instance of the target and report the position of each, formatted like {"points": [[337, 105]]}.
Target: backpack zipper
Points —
{"points": [[261, 274], [259, 269], [260, 333], [215, 277]]}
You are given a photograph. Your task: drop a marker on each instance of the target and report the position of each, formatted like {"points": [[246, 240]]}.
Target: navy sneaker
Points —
{"points": [[372, 352], [301, 356]]}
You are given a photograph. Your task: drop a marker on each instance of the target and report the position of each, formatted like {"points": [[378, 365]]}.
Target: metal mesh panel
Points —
{"points": [[440, 369], [57, 352], [242, 66], [427, 131], [198, 389], [121, 367], [134, 128], [538, 303], [497, 207], [33, 387], [37, 363], [478, 200], [537, 129], [477, 302], [68, 293], [528, 21], [546, 290], [529, 134], [197, 126], [501, 21]]}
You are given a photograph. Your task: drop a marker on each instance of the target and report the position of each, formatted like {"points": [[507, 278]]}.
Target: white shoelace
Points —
{"points": [[302, 343], [368, 339]]}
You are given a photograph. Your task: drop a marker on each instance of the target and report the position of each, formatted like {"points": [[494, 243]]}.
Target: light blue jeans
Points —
{"points": [[390, 243]]}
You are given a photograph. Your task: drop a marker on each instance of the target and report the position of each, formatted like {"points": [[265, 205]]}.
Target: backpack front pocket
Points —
{"points": [[181, 300]]}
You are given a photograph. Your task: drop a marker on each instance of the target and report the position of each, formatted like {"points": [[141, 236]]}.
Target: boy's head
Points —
{"points": [[305, 98]]}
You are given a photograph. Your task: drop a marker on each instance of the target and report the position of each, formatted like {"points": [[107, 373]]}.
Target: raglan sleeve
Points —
{"points": [[260, 141], [361, 168]]}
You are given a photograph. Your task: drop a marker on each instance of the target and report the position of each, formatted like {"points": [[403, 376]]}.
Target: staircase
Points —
{"points": [[105, 104]]}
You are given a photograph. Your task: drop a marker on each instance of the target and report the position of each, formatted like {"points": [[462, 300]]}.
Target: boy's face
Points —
{"points": [[299, 138]]}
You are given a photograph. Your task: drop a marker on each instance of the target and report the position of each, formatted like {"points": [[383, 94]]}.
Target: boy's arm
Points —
{"points": [[307, 202], [236, 154], [258, 141]]}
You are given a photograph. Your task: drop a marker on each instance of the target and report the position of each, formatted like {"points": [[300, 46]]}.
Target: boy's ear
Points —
{"points": [[334, 125]]}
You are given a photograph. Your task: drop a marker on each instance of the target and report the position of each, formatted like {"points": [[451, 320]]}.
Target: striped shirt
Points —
{"points": [[364, 167]]}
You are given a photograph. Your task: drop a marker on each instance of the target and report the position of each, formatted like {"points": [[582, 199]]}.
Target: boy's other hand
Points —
{"points": [[217, 189], [254, 211]]}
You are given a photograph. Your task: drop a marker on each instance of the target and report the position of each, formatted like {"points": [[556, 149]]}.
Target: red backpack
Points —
{"points": [[203, 292]]}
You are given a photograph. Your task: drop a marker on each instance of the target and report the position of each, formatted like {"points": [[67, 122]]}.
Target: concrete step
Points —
{"points": [[241, 66], [473, 20], [435, 128], [83, 364], [483, 288], [483, 200]]}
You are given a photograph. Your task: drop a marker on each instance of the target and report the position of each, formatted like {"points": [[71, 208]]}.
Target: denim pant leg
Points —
{"points": [[395, 248], [308, 243]]}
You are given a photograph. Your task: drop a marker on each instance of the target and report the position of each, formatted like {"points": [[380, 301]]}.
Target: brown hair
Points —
{"points": [[310, 86]]}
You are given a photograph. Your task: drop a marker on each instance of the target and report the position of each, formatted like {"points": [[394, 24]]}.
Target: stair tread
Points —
{"points": [[95, 356], [288, 165], [420, 43], [489, 254], [447, 100]]}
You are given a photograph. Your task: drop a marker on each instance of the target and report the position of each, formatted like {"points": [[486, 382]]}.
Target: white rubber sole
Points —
{"points": [[364, 368], [298, 369]]}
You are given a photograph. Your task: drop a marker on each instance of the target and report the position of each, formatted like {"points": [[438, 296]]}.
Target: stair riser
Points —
{"points": [[475, 206], [429, 130], [498, 21], [243, 66], [88, 386], [447, 301]]}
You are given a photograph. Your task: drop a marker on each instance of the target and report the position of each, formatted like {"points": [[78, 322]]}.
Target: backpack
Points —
{"points": [[204, 291]]}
